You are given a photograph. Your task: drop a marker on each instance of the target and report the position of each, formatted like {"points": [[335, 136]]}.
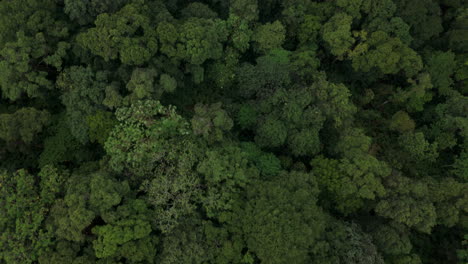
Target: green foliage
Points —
{"points": [[240, 131], [450, 200], [240, 32], [422, 17], [86, 11], [198, 10], [61, 146], [226, 171], [347, 243], [100, 125], [417, 148], [247, 116], [211, 121], [379, 9], [280, 219], [337, 34], [271, 133], [25, 206], [18, 76], [394, 241], [460, 166], [269, 37], [441, 66], [305, 63], [350, 182], [23, 124], [153, 145], [292, 119], [117, 36], [135, 124], [402, 122], [408, 202], [353, 7], [395, 27], [417, 95], [168, 83], [185, 244], [245, 9], [105, 192], [126, 234], [141, 84], [198, 40], [334, 101], [457, 35], [270, 73], [386, 54], [83, 93], [309, 29], [30, 17]]}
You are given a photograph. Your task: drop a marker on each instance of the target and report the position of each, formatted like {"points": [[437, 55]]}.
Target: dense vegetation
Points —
{"points": [[241, 131]]}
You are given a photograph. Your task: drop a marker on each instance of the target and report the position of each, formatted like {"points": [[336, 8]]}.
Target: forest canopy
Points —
{"points": [[233, 131]]}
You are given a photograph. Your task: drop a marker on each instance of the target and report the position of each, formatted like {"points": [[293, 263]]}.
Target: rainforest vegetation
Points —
{"points": [[233, 131]]}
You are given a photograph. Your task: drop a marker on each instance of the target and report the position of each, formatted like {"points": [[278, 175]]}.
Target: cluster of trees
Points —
{"points": [[240, 131]]}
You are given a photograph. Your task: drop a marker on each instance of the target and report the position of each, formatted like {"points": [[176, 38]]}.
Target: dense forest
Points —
{"points": [[234, 131]]}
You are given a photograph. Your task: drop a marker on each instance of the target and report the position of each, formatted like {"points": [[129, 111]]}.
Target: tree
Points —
{"points": [[305, 63], [20, 70], [270, 73], [395, 27], [88, 197], [280, 219], [240, 33], [211, 122], [117, 36], [309, 30], [449, 200], [334, 101], [153, 145], [353, 8], [227, 171], [350, 182], [269, 37], [61, 146], [245, 9], [457, 34], [441, 67], [417, 147], [200, 39], [185, 244], [337, 34], [100, 125], [402, 122], [240, 131], [33, 45], [23, 124], [292, 119], [347, 243], [84, 12], [394, 242], [23, 16], [460, 166], [198, 10], [127, 234], [82, 94], [25, 206], [414, 97], [388, 55], [408, 202], [379, 9], [423, 18], [168, 83]]}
